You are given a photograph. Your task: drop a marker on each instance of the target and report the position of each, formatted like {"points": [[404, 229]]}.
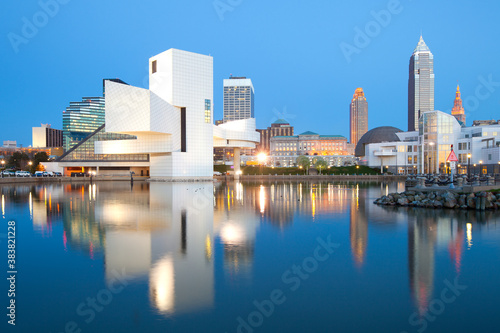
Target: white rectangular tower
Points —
{"points": [[185, 80]]}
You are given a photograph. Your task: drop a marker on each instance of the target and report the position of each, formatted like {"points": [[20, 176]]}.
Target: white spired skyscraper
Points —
{"points": [[238, 99], [420, 84]]}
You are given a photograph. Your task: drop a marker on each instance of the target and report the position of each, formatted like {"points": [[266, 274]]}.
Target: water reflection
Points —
{"points": [[169, 235]]}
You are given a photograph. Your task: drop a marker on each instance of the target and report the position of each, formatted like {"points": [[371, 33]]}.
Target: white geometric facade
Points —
{"points": [[173, 120]]}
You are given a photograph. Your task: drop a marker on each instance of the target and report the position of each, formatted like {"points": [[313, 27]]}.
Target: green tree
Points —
{"points": [[320, 163], [304, 162], [39, 157], [17, 160]]}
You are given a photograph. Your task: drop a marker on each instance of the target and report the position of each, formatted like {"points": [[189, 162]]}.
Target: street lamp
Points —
{"points": [[468, 165], [475, 168], [480, 167], [3, 166]]}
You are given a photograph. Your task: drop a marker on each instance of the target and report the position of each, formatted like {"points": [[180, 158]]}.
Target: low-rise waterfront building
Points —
{"points": [[426, 151], [284, 150]]}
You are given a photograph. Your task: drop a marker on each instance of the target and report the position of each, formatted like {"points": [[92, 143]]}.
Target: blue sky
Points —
{"points": [[290, 49]]}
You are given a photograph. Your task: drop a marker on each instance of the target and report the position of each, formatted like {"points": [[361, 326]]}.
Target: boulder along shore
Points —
{"points": [[438, 199]]}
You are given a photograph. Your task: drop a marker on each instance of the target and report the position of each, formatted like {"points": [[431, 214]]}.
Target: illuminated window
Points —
{"points": [[208, 111]]}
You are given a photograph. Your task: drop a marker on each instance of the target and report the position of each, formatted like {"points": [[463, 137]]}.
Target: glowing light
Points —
{"points": [[3, 205], [469, 235], [261, 157], [232, 234]]}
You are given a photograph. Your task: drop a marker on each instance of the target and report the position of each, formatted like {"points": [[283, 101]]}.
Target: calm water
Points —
{"points": [[247, 257]]}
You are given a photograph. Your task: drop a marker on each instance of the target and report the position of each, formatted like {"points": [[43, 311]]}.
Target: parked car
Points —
{"points": [[217, 173], [77, 174], [57, 174], [23, 174], [49, 174], [39, 174], [8, 173]]}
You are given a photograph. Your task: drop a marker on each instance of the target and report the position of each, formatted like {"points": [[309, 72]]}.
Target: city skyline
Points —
{"points": [[319, 76]]}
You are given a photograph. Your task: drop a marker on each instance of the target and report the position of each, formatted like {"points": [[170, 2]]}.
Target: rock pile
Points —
{"points": [[437, 199]]}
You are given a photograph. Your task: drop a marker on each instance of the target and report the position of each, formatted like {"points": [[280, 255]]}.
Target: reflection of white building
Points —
{"points": [[426, 151], [166, 130], [170, 244]]}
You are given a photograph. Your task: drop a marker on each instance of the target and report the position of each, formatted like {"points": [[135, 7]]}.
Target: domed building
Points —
{"points": [[377, 135]]}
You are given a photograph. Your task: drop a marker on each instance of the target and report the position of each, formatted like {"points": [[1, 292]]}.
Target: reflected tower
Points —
{"points": [[421, 240], [358, 230]]}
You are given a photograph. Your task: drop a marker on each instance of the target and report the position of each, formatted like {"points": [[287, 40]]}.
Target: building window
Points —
{"points": [[183, 130], [153, 67], [208, 111]]}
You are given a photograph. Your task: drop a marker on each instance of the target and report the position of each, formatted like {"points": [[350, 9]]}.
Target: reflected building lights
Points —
{"points": [[469, 236], [262, 199], [162, 285], [31, 205]]}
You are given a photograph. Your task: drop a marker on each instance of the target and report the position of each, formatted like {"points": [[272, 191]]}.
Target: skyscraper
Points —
{"points": [[81, 119], [420, 84], [458, 110], [238, 99], [358, 116]]}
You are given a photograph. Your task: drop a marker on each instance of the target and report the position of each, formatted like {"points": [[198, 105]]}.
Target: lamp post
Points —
{"points": [[480, 167], [475, 168], [468, 165], [3, 167]]}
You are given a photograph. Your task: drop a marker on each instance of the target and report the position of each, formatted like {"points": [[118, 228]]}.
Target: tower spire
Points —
{"points": [[458, 110]]}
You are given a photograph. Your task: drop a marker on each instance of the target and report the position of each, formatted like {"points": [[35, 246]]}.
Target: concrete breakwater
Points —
{"points": [[439, 199]]}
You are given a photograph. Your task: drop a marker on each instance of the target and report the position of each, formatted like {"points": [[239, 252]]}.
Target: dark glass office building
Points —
{"points": [[81, 119]]}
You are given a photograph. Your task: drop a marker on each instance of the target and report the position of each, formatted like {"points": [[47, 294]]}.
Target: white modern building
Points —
{"points": [[426, 151], [166, 131]]}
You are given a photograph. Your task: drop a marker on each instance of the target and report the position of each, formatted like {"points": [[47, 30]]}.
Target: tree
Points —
{"points": [[304, 162], [17, 160], [39, 157], [320, 163]]}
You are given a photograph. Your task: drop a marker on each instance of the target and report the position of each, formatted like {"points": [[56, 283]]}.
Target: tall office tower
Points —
{"points": [[81, 119], [358, 116], [238, 99], [458, 110], [420, 84]]}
